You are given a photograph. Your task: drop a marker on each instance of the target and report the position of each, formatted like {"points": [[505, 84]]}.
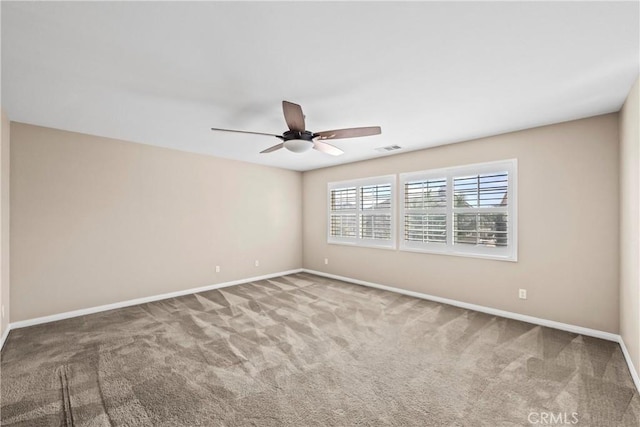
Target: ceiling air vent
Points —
{"points": [[388, 148]]}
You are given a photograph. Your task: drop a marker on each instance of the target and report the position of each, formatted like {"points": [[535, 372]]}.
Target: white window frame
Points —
{"points": [[508, 253], [357, 241]]}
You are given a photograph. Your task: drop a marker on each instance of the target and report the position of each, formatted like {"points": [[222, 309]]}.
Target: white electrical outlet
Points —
{"points": [[217, 269], [522, 293], [257, 263], [326, 261]]}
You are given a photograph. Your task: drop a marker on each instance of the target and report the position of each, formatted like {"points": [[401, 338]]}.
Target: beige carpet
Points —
{"points": [[302, 350]]}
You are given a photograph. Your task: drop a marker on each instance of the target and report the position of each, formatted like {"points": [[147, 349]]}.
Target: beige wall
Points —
{"points": [[630, 224], [97, 221], [568, 226], [4, 222]]}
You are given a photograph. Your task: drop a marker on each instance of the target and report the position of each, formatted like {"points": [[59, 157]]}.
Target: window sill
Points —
{"points": [[363, 245], [509, 258]]}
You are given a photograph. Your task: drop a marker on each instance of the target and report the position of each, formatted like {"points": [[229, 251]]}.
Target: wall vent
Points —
{"points": [[388, 148]]}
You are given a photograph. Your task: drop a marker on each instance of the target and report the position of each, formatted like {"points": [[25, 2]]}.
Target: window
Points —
{"points": [[362, 212], [468, 210]]}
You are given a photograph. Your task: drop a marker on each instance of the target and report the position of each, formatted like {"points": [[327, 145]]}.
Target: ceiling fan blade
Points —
{"points": [[293, 116], [274, 148], [245, 131], [327, 148], [348, 133]]}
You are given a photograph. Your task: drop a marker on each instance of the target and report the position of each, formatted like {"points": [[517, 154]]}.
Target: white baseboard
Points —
{"points": [[4, 336], [632, 368], [128, 303]]}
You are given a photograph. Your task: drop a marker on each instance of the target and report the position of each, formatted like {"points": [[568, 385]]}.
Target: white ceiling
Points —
{"points": [[163, 73]]}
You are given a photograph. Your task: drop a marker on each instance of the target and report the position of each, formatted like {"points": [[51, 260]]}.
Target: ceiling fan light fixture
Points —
{"points": [[298, 145]]}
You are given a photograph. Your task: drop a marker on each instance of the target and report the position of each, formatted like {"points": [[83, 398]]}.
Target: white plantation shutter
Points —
{"points": [[344, 216], [481, 209], [361, 212], [375, 216], [425, 210], [468, 210]]}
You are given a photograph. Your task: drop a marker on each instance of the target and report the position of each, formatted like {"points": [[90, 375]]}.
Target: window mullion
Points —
{"points": [[478, 191], [358, 213], [449, 207]]}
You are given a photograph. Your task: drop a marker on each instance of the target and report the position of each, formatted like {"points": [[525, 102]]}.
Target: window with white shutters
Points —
{"points": [[468, 210], [362, 212]]}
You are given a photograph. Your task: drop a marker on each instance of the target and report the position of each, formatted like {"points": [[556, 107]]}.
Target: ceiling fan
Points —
{"points": [[297, 139]]}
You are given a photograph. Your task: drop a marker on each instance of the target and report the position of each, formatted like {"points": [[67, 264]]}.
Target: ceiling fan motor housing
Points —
{"points": [[305, 135]]}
